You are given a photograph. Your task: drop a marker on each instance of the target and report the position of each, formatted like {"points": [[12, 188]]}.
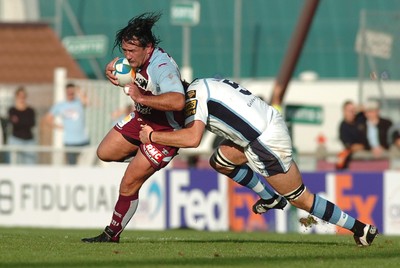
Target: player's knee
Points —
{"points": [[101, 154], [220, 163], [212, 162], [300, 198], [130, 185], [106, 154]]}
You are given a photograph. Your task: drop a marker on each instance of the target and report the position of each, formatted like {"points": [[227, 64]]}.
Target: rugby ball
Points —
{"points": [[124, 72]]}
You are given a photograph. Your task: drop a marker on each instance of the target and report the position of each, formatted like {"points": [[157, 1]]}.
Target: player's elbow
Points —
{"points": [[179, 105], [194, 142], [178, 102]]}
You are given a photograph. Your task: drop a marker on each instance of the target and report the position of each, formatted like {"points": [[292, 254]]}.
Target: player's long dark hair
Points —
{"points": [[139, 28]]}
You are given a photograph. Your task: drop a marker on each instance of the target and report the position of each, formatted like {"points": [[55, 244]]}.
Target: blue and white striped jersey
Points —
{"points": [[227, 109]]}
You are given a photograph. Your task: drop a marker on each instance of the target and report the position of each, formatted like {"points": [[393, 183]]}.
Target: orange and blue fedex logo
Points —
{"points": [[360, 195]]}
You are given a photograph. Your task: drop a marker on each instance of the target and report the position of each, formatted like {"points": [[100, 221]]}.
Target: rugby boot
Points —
{"points": [[261, 205], [107, 236], [370, 232]]}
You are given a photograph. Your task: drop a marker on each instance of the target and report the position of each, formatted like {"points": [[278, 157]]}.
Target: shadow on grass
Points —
{"points": [[234, 241], [182, 261]]}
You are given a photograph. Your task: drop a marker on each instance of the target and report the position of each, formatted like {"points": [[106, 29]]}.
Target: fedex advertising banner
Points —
{"points": [[241, 217], [84, 197], [197, 199], [358, 194], [391, 200]]}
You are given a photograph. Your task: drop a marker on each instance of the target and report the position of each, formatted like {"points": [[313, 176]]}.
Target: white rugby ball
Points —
{"points": [[124, 72]]}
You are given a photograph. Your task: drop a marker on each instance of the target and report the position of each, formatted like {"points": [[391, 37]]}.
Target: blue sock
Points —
{"points": [[247, 178], [331, 213]]}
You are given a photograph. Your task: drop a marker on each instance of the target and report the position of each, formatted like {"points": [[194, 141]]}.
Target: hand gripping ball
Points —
{"points": [[124, 72]]}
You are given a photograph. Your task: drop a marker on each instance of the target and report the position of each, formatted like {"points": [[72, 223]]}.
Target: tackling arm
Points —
{"points": [[188, 137]]}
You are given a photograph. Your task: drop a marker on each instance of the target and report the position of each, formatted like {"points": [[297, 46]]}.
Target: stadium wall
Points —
{"points": [[83, 197], [266, 30]]}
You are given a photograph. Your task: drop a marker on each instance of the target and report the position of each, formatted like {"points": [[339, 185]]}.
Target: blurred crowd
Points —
{"points": [[18, 128], [366, 134]]}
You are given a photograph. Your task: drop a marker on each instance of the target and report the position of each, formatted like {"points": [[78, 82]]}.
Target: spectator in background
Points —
{"points": [[376, 129], [22, 119], [350, 134], [72, 113], [3, 133], [350, 129], [394, 136]]}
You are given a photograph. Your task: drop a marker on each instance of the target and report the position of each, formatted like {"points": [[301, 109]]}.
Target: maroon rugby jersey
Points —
{"points": [[159, 74]]}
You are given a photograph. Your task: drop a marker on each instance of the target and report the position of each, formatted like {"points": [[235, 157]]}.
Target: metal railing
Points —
{"points": [[307, 162], [48, 155]]}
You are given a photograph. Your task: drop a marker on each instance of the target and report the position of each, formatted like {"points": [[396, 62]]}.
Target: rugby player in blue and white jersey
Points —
{"points": [[256, 135]]}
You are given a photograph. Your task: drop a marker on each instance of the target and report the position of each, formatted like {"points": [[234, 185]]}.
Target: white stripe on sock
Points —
{"points": [[258, 188], [343, 219]]}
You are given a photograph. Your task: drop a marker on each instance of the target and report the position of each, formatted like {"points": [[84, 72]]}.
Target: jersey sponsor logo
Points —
{"points": [[250, 103], [119, 215], [142, 109], [190, 108], [153, 154], [141, 81], [125, 120], [191, 94]]}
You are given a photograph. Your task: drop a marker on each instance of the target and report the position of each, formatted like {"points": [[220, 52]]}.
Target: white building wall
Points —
{"points": [[19, 10]]}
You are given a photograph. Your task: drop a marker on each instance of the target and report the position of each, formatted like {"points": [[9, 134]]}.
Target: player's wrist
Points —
{"points": [[150, 134]]}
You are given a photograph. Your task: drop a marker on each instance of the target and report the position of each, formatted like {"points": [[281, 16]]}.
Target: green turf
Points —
{"points": [[21, 247]]}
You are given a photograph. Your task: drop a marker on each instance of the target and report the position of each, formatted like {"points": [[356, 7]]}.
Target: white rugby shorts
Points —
{"points": [[271, 152]]}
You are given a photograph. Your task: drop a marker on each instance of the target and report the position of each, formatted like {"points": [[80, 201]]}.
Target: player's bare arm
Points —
{"points": [[188, 137], [82, 95], [171, 101], [50, 120]]}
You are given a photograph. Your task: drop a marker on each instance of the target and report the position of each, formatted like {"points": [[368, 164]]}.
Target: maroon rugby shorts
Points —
{"points": [[158, 155]]}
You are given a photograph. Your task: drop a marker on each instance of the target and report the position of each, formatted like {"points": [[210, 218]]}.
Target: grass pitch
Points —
{"points": [[21, 247]]}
